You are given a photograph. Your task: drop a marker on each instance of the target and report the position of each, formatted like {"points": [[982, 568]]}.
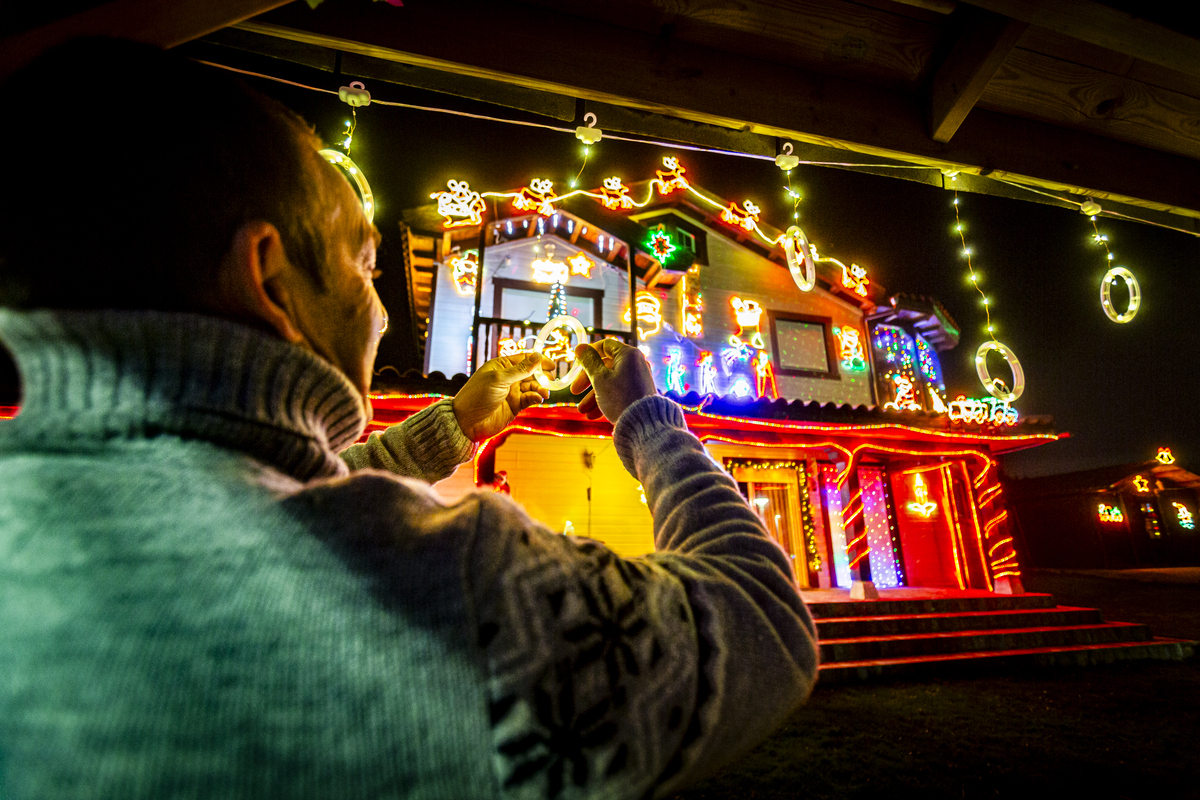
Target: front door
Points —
{"points": [[775, 495]]}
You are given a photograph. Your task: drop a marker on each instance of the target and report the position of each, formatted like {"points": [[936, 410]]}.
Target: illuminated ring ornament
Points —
{"points": [[986, 379], [1135, 294], [799, 259], [564, 321], [356, 178]]}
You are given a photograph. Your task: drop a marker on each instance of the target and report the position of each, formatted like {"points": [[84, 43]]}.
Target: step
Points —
{"points": [[900, 624], [999, 661], [884, 647], [939, 605]]}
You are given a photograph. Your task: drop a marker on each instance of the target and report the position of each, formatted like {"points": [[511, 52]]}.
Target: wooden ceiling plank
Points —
{"points": [[149, 21], [543, 50], [1044, 88], [985, 41], [1107, 27]]}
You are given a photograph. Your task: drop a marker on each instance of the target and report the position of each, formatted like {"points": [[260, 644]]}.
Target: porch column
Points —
{"points": [[857, 548]]}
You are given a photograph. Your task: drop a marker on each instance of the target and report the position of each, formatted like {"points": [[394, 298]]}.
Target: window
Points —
{"points": [[802, 345], [526, 300]]}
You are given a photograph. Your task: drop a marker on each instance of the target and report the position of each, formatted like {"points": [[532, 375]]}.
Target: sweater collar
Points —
{"points": [[93, 376]]}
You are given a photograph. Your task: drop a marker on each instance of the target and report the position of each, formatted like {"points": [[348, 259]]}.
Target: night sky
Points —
{"points": [[1120, 390]]}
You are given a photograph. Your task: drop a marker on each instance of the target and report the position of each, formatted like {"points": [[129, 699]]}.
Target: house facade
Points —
{"points": [[820, 393]]}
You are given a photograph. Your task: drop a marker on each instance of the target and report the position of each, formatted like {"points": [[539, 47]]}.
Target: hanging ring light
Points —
{"points": [[576, 327], [1135, 294], [799, 259], [355, 175], [994, 386]]}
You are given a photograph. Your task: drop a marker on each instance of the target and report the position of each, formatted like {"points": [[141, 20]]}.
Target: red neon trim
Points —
{"points": [[956, 531], [997, 544], [996, 520], [1015, 572], [987, 577]]}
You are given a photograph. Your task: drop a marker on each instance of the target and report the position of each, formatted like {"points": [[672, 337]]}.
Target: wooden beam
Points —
{"points": [[1107, 27], [985, 41], [542, 49], [149, 21]]}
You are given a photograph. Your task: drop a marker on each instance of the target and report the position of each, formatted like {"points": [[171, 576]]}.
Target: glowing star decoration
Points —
{"points": [[852, 355], [799, 258], [538, 196], [922, 505], [855, 278], [1165, 456], [550, 339], [1110, 513], [464, 269], [748, 313], [906, 395], [745, 217], [1184, 516], [649, 312], [615, 195], [764, 375], [707, 373], [672, 179], [982, 412], [994, 386], [1141, 484], [661, 245], [675, 371], [1135, 294], [581, 265], [460, 206], [356, 177]]}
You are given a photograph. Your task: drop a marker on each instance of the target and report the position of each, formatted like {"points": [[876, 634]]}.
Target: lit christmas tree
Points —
{"points": [[558, 300]]}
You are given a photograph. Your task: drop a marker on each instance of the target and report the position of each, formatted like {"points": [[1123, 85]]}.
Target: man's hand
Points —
{"points": [[496, 393], [619, 377]]}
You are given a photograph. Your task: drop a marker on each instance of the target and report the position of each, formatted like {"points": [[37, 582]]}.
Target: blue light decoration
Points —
{"points": [[884, 573], [927, 360], [837, 531], [675, 371], [899, 352]]}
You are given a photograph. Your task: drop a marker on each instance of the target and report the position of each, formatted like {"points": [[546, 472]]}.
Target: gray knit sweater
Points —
{"points": [[198, 598]]}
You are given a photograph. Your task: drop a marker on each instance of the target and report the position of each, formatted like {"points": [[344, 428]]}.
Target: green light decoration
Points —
{"points": [[661, 245]]}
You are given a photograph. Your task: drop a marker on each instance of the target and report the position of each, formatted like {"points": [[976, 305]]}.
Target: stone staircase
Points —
{"points": [[919, 638]]}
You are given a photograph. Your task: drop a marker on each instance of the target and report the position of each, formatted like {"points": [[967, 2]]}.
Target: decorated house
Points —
{"points": [[820, 392], [1119, 517]]}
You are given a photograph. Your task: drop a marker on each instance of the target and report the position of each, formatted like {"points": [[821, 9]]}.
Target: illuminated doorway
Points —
{"points": [[775, 492]]}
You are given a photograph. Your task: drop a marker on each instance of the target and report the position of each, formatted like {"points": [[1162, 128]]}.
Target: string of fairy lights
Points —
{"points": [[800, 254]]}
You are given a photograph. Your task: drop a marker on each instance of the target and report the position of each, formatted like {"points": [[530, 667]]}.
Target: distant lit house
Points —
{"points": [[1129, 515], [826, 405]]}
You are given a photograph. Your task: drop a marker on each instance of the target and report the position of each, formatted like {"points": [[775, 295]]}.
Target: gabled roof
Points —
{"points": [[1115, 478]]}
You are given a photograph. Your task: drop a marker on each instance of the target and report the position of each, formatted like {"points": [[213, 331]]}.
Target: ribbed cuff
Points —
{"points": [[639, 424], [434, 436]]}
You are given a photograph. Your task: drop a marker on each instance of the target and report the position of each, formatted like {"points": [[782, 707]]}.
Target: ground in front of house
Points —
{"points": [[1119, 730]]}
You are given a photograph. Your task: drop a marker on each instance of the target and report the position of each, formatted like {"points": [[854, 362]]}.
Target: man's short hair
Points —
{"points": [[129, 170]]}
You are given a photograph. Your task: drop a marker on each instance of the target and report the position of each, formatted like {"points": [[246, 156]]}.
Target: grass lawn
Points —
{"points": [[1123, 730]]}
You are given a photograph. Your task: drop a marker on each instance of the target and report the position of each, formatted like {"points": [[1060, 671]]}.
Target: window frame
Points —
{"points": [[826, 323]]}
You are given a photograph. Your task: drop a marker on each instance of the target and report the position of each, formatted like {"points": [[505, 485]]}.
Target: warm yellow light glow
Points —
{"points": [[464, 269], [1135, 294], [1165, 456], [922, 505], [994, 386], [356, 178], [649, 311]]}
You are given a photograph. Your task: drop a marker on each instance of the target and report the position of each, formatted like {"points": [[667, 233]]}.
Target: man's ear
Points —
{"points": [[254, 279]]}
